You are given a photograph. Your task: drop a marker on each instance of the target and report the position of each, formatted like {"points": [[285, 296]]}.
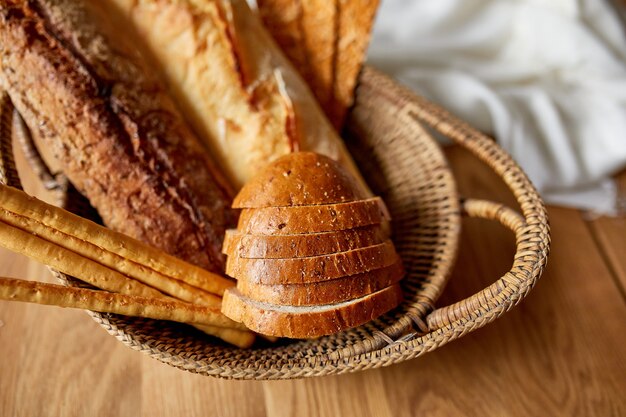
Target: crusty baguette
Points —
{"points": [[240, 93], [309, 321], [326, 292], [347, 22], [298, 246], [283, 19], [319, 39], [312, 219], [306, 31], [300, 179], [356, 20], [313, 269], [111, 124]]}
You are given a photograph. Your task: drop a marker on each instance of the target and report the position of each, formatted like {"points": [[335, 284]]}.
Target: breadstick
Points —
{"points": [[70, 263], [111, 248], [93, 272], [133, 270], [128, 305], [99, 276]]}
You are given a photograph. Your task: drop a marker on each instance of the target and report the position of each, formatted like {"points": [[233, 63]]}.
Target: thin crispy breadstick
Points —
{"points": [[240, 338], [28, 236], [133, 270], [128, 305], [105, 240], [70, 263]]}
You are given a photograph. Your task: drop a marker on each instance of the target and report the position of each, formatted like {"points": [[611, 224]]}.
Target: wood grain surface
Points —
{"points": [[560, 352]]}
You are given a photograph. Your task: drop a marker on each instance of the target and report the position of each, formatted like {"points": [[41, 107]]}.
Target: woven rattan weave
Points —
{"points": [[406, 167]]}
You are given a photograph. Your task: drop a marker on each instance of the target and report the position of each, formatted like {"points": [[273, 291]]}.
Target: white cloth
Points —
{"points": [[547, 78]]}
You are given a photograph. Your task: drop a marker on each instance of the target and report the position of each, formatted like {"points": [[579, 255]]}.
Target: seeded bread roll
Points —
{"points": [[117, 134]]}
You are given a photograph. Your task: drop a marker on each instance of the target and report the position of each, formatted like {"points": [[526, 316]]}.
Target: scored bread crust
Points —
{"points": [[356, 20], [310, 321], [327, 292], [312, 219], [110, 123], [313, 269], [300, 179], [300, 246]]}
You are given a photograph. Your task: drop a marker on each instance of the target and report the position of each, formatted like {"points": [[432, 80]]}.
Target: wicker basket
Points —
{"points": [[404, 165]]}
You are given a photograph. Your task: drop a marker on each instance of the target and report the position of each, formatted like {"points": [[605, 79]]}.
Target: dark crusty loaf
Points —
{"points": [[301, 246], [313, 219], [112, 126], [309, 321], [313, 269], [326, 292]]}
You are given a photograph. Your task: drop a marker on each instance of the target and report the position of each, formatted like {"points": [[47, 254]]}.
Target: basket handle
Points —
{"points": [[488, 297], [531, 227]]}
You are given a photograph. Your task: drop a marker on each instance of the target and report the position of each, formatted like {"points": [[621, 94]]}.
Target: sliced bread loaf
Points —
{"points": [[309, 321]]}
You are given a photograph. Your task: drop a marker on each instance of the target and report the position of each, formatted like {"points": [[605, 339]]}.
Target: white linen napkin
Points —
{"points": [[547, 78]]}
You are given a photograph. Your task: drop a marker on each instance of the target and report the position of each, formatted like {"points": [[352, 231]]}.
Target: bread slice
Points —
{"points": [[300, 179], [313, 219], [356, 20], [300, 246], [314, 269], [309, 321], [327, 292]]}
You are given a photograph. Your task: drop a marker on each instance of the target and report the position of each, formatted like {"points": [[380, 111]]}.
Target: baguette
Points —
{"points": [[339, 29], [300, 179], [327, 292], [312, 219], [112, 126], [297, 246], [309, 321], [356, 21], [314, 269], [240, 93]]}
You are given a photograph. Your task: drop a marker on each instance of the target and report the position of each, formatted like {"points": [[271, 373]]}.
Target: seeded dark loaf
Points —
{"points": [[112, 126]]}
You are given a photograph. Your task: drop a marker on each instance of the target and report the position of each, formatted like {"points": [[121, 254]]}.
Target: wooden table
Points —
{"points": [[560, 352]]}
